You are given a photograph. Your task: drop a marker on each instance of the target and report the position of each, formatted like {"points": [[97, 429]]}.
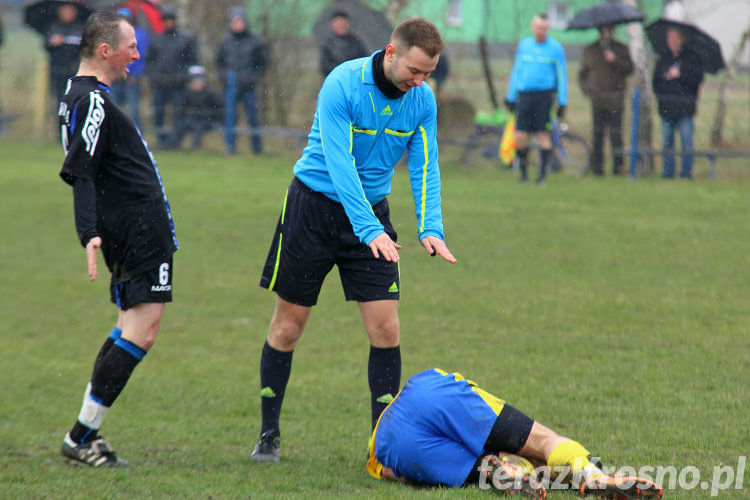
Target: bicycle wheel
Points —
{"points": [[574, 161]]}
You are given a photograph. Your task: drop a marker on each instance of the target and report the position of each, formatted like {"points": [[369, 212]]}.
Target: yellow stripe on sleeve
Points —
{"points": [[424, 179]]}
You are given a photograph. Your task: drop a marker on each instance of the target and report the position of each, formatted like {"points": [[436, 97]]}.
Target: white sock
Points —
{"points": [[92, 413], [86, 393]]}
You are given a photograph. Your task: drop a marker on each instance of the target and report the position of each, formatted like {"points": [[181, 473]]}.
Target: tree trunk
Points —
{"points": [[717, 128], [641, 81]]}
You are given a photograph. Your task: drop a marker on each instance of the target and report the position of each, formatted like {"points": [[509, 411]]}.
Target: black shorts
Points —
{"points": [[533, 111], [313, 234], [154, 285]]}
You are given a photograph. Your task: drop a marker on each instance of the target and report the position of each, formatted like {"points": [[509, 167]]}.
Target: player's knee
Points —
{"points": [[385, 333], [147, 338], [284, 335]]}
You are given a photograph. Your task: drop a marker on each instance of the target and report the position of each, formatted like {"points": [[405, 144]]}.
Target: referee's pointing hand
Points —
{"points": [[383, 244], [436, 246], [92, 250]]}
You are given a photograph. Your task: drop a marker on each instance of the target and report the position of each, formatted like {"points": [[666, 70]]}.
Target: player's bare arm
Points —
{"points": [[383, 244], [92, 250], [436, 246]]}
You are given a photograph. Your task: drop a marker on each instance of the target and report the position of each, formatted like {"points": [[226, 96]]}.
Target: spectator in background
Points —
{"points": [[677, 78], [203, 109], [604, 68], [538, 73], [441, 73], [2, 118], [342, 45], [127, 93], [169, 56], [241, 63], [63, 43]]}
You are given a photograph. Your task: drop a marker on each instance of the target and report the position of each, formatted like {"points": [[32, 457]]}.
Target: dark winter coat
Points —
{"points": [[337, 49], [244, 53], [204, 105], [64, 58], [677, 98], [170, 54], [603, 81]]}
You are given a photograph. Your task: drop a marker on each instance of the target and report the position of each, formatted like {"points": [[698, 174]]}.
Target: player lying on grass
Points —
{"points": [[444, 430]]}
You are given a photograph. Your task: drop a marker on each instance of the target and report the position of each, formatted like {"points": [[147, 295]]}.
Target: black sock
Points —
{"points": [[544, 161], [114, 370], [80, 434], [108, 343], [384, 375], [113, 366], [523, 161], [275, 367]]}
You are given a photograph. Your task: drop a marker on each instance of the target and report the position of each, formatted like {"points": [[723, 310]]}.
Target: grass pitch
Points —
{"points": [[614, 312]]}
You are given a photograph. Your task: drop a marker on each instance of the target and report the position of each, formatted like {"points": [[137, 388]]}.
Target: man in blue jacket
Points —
{"points": [[538, 73], [369, 112], [127, 93]]}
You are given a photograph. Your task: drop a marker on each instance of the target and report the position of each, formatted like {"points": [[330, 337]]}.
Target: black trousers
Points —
{"points": [[611, 120]]}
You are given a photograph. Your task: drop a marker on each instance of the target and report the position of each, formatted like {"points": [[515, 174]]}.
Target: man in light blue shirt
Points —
{"points": [[369, 112], [538, 74]]}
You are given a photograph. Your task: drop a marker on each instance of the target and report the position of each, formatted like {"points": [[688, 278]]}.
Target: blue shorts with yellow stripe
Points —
{"points": [[436, 428]]}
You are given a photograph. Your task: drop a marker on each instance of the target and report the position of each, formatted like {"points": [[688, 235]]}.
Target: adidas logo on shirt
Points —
{"points": [[386, 111]]}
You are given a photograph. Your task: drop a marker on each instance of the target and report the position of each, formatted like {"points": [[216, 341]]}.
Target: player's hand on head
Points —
{"points": [[436, 246], [92, 250], [385, 246]]}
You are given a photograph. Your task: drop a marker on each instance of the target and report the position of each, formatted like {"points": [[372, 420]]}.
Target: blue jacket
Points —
{"points": [[539, 66], [143, 38], [357, 137]]}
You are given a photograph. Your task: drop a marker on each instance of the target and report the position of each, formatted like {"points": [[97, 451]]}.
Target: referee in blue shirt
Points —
{"points": [[538, 74], [335, 212]]}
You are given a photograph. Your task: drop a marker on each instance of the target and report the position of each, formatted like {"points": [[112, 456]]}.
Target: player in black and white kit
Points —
{"points": [[121, 208]]}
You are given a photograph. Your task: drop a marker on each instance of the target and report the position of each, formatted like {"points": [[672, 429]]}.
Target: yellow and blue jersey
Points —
{"points": [[539, 66], [434, 430], [357, 137]]}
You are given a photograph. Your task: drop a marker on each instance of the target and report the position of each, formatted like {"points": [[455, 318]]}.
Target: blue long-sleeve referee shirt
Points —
{"points": [[357, 137], [539, 66]]}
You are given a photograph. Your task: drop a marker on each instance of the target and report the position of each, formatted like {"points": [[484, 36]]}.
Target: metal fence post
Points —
{"points": [[634, 133]]}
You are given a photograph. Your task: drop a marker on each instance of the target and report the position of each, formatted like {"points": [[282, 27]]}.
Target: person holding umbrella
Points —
{"points": [[676, 81], [604, 68], [342, 45], [63, 44]]}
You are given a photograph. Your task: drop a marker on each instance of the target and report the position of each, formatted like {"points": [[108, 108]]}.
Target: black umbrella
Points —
{"points": [[370, 26], [40, 14], [145, 12], [604, 14], [703, 44]]}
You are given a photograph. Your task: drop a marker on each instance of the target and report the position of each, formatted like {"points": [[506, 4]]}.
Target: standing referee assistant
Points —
{"points": [[120, 206], [369, 112], [539, 72]]}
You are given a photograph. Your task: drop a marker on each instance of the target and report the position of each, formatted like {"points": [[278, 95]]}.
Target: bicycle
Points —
{"points": [[571, 150]]}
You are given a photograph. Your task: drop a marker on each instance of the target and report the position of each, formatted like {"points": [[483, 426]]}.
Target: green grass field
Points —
{"points": [[614, 312]]}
